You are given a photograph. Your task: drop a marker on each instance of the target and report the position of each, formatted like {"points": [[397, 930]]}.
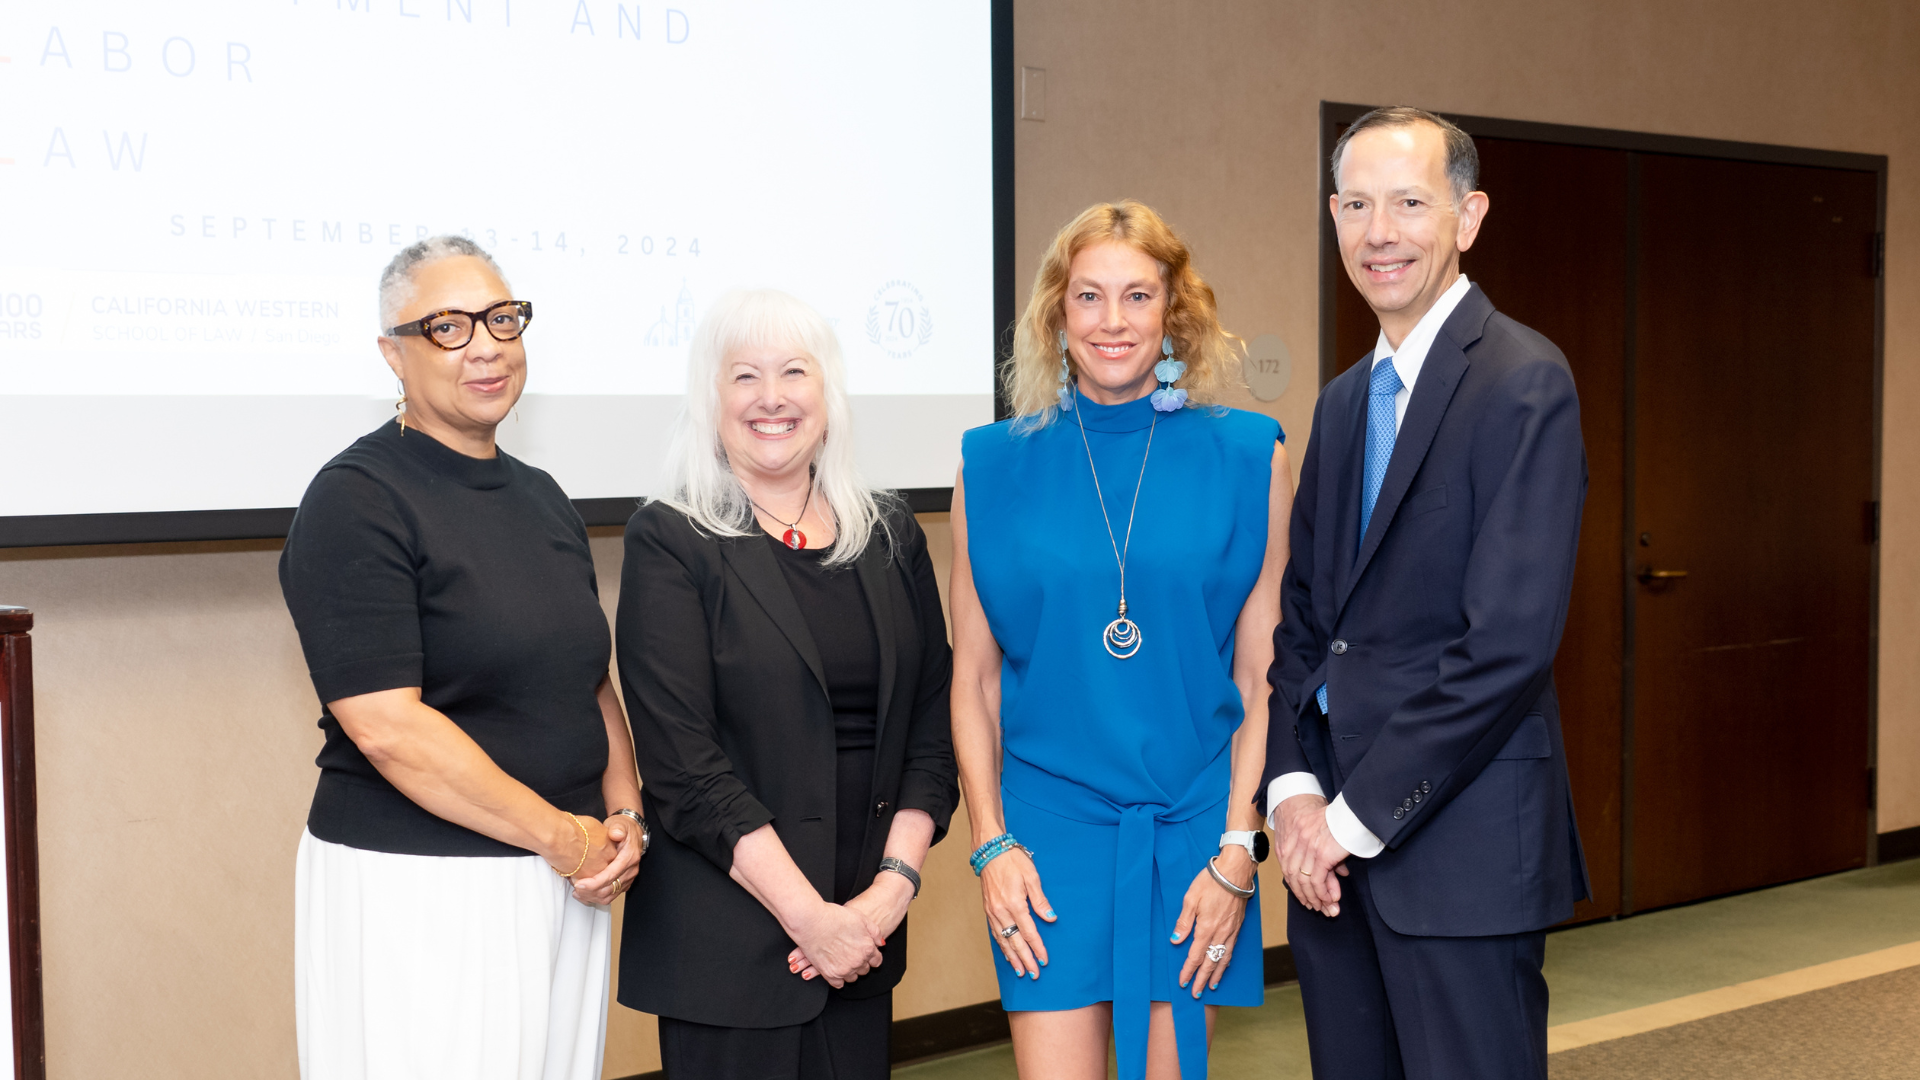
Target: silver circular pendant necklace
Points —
{"points": [[1122, 635]]}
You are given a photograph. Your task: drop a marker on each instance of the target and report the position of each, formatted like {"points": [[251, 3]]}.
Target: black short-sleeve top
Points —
{"points": [[411, 564]]}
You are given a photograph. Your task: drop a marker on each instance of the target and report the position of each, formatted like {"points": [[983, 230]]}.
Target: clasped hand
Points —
{"points": [[1312, 860], [613, 860], [841, 942]]}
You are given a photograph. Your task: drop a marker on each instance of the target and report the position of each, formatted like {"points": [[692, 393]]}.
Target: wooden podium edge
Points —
{"points": [[23, 844]]}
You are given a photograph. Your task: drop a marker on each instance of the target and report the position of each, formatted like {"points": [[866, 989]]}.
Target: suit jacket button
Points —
{"points": [[1426, 788], [880, 808], [1406, 804], [1417, 796], [1398, 813], [1339, 647]]}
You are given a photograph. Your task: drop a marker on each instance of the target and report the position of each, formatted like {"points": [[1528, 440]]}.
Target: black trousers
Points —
{"points": [[1382, 1005], [849, 1040]]}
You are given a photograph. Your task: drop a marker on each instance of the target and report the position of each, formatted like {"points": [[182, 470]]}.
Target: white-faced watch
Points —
{"points": [[1253, 840]]}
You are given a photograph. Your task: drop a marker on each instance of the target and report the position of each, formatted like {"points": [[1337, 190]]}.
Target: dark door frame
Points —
{"points": [[1335, 114]]}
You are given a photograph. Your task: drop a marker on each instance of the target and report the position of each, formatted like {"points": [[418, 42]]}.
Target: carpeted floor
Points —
{"points": [[1864, 1030], [1604, 968]]}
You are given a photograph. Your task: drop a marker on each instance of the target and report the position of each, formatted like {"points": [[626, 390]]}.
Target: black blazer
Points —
{"points": [[732, 729], [1435, 632]]}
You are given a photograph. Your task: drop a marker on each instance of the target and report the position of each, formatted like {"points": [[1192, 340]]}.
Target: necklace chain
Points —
{"points": [[795, 523], [1129, 634]]}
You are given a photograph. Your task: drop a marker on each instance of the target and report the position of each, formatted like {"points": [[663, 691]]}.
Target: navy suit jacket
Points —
{"points": [[1435, 632]]}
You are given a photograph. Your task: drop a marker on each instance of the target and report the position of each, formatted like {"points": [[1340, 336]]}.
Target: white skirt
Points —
{"points": [[422, 967]]}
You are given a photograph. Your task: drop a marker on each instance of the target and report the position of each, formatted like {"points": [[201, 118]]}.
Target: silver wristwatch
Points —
{"points": [[646, 834], [1252, 839]]}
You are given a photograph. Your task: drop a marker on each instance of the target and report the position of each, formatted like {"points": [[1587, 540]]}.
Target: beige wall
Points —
{"points": [[175, 733], [175, 718]]}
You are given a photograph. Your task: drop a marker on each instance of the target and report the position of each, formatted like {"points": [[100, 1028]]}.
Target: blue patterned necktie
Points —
{"points": [[1381, 431]]}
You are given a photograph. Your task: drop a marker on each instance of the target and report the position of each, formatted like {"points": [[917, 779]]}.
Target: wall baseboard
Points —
{"points": [[1900, 844], [950, 1031], [971, 1027]]}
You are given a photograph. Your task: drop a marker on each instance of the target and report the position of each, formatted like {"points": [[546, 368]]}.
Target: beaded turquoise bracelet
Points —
{"points": [[993, 849]]}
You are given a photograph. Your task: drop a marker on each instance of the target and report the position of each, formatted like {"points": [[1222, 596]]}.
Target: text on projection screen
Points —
{"points": [[201, 198]]}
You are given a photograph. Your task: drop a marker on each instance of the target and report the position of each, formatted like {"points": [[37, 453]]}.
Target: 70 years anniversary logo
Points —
{"points": [[899, 320]]}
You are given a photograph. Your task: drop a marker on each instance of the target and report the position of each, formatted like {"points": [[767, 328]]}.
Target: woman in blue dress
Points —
{"points": [[1116, 583]]}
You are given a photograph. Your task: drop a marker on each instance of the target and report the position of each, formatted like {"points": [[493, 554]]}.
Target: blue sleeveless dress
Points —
{"points": [[1116, 772]]}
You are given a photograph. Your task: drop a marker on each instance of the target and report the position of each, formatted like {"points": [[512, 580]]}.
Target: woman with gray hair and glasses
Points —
{"points": [[477, 808], [783, 651]]}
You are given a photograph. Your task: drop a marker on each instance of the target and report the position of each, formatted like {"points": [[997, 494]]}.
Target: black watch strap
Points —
{"points": [[905, 871]]}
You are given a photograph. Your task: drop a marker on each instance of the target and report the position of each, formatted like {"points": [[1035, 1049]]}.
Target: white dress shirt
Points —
{"points": [[1342, 822]]}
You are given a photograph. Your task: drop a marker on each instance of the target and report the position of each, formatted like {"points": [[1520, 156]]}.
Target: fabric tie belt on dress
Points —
{"points": [[1144, 846]]}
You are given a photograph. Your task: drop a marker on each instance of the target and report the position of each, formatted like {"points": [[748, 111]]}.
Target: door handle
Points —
{"points": [[1648, 575]]}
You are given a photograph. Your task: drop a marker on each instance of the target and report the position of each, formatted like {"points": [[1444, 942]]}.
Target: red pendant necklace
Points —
{"points": [[793, 537]]}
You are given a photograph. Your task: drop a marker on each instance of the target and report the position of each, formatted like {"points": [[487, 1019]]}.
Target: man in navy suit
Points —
{"points": [[1433, 542]]}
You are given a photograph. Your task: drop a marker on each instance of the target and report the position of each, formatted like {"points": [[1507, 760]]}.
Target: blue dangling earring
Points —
{"points": [[1169, 371], [1066, 379]]}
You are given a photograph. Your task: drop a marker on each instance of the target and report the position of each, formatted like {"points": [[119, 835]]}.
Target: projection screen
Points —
{"points": [[200, 198]]}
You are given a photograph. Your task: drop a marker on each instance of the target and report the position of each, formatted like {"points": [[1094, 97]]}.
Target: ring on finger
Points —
{"points": [[1009, 930], [1216, 952]]}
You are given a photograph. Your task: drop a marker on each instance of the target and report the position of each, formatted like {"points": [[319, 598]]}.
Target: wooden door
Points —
{"points": [[1533, 189], [1753, 477]]}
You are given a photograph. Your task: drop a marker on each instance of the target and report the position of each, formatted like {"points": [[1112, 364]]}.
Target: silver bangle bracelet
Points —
{"points": [[1244, 894]]}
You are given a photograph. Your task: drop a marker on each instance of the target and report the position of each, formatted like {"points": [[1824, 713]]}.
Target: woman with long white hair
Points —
{"points": [[784, 655]]}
